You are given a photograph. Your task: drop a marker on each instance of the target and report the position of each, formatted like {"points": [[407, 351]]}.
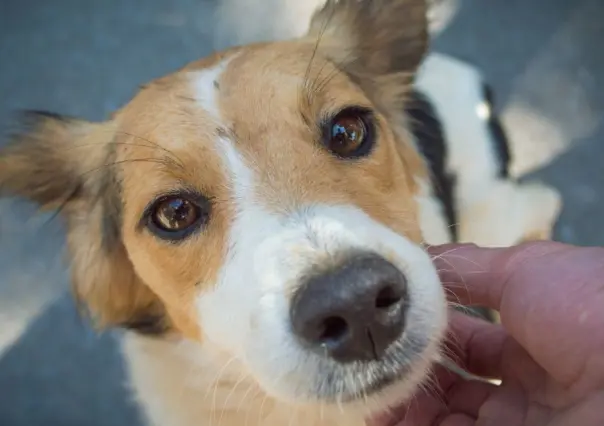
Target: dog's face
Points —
{"points": [[262, 201]]}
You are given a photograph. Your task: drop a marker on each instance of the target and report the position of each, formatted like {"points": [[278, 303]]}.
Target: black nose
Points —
{"points": [[352, 312]]}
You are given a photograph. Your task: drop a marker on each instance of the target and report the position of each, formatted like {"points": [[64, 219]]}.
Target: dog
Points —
{"points": [[256, 222]]}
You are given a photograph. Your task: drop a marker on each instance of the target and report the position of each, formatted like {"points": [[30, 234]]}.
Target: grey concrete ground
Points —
{"points": [[84, 57]]}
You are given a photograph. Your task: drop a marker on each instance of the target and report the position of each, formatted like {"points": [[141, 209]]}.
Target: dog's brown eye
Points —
{"points": [[174, 217], [175, 214], [349, 134]]}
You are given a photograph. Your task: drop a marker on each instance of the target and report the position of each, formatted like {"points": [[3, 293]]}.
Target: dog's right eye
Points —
{"points": [[175, 217], [350, 133]]}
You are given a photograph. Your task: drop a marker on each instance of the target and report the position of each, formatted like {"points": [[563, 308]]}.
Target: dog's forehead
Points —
{"points": [[268, 83], [248, 93], [246, 88]]}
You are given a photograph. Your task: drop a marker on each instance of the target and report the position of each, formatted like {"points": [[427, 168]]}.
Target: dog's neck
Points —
{"points": [[179, 383]]}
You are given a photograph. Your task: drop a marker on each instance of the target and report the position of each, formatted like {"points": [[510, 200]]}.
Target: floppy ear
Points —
{"points": [[47, 157], [64, 163], [379, 43]]}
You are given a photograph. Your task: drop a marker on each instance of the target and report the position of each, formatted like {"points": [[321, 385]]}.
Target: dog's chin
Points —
{"points": [[375, 390], [377, 399], [376, 385], [383, 390]]}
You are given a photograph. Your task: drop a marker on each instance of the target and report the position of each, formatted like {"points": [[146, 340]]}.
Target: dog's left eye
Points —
{"points": [[174, 217], [350, 133]]}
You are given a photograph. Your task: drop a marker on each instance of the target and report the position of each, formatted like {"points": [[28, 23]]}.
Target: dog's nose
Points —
{"points": [[352, 312]]}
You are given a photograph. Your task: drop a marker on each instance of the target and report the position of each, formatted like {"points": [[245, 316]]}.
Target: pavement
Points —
{"points": [[86, 58]]}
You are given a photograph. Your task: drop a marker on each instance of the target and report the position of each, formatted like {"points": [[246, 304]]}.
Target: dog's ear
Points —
{"points": [[379, 36], [379, 43], [65, 163], [47, 159]]}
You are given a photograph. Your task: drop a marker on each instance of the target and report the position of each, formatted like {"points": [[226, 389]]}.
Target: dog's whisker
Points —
{"points": [[434, 388], [451, 250], [251, 386], [216, 379], [461, 277], [261, 412], [242, 377], [473, 262]]}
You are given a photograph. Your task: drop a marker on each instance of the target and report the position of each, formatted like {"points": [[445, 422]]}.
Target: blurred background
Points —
{"points": [[86, 58]]}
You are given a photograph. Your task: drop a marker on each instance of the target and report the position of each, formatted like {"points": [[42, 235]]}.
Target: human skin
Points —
{"points": [[548, 350]]}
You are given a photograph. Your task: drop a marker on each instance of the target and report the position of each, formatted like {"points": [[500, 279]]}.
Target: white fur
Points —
{"points": [[432, 222], [509, 213], [204, 85], [187, 384]]}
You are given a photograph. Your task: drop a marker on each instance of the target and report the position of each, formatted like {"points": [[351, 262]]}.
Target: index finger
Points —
{"points": [[483, 276]]}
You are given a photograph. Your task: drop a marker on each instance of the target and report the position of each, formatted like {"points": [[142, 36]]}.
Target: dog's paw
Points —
{"points": [[509, 213], [544, 204]]}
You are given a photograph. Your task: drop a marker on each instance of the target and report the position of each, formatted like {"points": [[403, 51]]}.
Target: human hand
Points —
{"points": [[548, 352]]}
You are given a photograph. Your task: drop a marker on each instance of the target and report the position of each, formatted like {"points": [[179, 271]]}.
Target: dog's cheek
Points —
{"points": [[224, 314]]}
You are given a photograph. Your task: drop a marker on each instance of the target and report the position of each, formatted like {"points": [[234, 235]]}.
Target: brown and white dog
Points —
{"points": [[257, 221]]}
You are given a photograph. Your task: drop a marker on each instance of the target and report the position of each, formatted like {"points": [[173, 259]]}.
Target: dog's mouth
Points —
{"points": [[398, 370], [373, 389]]}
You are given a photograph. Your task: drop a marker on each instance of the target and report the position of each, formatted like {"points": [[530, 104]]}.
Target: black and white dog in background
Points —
{"points": [[455, 127]]}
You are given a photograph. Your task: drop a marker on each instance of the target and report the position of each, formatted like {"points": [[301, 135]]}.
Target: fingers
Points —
{"points": [[466, 398], [458, 419], [460, 405], [477, 345], [482, 276], [549, 296]]}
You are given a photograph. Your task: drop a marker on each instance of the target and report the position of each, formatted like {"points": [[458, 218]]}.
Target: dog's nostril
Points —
{"points": [[333, 329], [387, 297]]}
